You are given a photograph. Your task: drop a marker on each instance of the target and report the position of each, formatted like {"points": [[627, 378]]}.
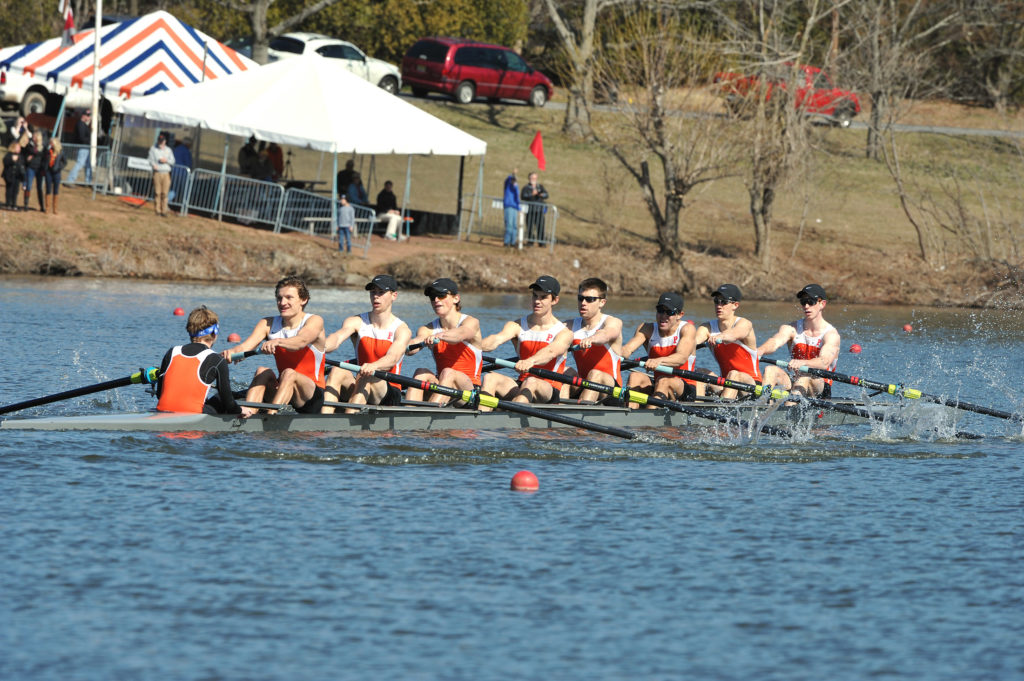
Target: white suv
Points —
{"points": [[30, 95], [379, 72]]}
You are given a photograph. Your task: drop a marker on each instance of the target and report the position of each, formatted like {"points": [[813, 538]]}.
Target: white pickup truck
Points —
{"points": [[30, 94]]}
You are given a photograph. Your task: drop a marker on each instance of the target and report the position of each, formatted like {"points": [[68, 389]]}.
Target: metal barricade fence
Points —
{"points": [[311, 213], [536, 224], [133, 176], [246, 200], [76, 171]]}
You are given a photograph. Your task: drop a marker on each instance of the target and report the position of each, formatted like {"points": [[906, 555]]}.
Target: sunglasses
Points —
{"points": [[719, 300], [661, 309], [436, 293], [804, 300], [589, 299]]}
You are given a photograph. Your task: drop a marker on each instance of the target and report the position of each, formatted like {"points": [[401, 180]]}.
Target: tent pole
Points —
{"points": [[96, 118], [458, 197], [223, 172], [334, 197], [405, 193]]}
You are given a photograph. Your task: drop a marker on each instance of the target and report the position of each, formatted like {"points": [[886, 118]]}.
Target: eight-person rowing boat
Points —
{"points": [[665, 389]]}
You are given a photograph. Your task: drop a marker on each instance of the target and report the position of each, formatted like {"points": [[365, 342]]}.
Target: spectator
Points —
{"points": [[387, 211], [276, 159], [53, 165], [34, 153], [14, 174], [248, 158], [346, 221], [182, 167], [344, 178], [83, 137], [355, 192], [535, 194], [161, 158], [511, 204]]}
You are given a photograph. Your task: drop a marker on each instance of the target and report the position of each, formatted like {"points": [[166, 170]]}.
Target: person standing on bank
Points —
{"points": [[34, 153], [346, 221], [534, 193], [14, 174], [161, 158], [511, 205], [83, 137], [53, 164]]}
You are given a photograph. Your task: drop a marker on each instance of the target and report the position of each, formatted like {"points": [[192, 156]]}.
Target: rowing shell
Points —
{"points": [[411, 418]]}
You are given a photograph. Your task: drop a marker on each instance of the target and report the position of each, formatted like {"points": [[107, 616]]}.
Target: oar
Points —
{"points": [[475, 397], [641, 398], [777, 394], [235, 356], [149, 375], [892, 389]]}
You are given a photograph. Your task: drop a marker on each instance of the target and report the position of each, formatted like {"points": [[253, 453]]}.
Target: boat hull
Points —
{"points": [[387, 419]]}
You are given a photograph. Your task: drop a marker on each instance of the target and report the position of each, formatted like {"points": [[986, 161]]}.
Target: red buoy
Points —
{"points": [[525, 481], [234, 338], [179, 312], [855, 349], [908, 328]]}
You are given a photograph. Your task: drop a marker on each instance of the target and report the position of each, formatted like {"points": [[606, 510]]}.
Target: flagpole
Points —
{"points": [[96, 118]]}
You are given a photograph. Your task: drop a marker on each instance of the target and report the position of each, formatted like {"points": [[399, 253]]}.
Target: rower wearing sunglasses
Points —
{"points": [[669, 341], [811, 339], [541, 340], [731, 340], [453, 338], [597, 341]]}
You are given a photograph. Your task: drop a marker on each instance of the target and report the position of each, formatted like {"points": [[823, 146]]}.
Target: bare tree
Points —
{"points": [[993, 39], [894, 47], [257, 11], [656, 58], [578, 42]]}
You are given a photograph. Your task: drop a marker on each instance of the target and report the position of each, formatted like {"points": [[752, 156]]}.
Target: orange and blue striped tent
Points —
{"points": [[141, 56]]}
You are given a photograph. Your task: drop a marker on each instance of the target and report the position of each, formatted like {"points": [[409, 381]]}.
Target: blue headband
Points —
{"points": [[212, 329]]}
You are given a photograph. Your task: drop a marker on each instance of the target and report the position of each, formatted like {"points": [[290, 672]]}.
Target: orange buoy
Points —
{"points": [[179, 312], [855, 349], [525, 481], [234, 338], [908, 328]]}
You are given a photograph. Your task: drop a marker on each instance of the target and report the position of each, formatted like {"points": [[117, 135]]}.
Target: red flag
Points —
{"points": [[537, 149], [69, 23]]}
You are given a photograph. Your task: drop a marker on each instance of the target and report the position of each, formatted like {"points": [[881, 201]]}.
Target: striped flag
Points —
{"points": [[69, 23]]}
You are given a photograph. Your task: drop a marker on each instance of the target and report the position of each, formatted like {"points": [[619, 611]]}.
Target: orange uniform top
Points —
{"points": [[462, 356], [532, 342], [663, 346], [308, 361], [182, 387], [809, 347], [596, 357], [373, 343], [735, 356]]}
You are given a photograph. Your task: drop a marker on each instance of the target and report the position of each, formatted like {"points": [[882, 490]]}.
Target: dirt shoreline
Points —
{"points": [[108, 238]]}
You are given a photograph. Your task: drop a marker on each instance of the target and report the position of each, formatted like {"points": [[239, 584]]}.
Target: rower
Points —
{"points": [[380, 339], [812, 340], [596, 340], [541, 340], [669, 341], [193, 378], [731, 340], [296, 340], [453, 338]]}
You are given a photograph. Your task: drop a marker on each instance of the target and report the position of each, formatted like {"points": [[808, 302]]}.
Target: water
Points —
{"points": [[849, 554]]}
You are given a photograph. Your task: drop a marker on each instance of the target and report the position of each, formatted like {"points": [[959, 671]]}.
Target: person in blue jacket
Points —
{"points": [[511, 204]]}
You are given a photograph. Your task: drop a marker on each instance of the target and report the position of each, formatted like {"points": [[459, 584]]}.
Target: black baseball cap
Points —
{"points": [[812, 291], [730, 292], [385, 282], [672, 301], [546, 284], [441, 287]]}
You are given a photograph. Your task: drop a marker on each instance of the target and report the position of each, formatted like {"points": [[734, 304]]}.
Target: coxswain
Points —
{"points": [[193, 378]]}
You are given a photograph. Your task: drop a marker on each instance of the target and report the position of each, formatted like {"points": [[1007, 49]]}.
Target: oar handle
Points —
{"points": [[754, 389], [236, 356], [475, 397]]}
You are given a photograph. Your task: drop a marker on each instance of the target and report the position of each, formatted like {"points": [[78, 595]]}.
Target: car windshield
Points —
{"points": [[340, 52], [284, 44], [513, 62]]}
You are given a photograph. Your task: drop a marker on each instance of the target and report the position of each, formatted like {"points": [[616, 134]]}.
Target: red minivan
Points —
{"points": [[466, 70]]}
